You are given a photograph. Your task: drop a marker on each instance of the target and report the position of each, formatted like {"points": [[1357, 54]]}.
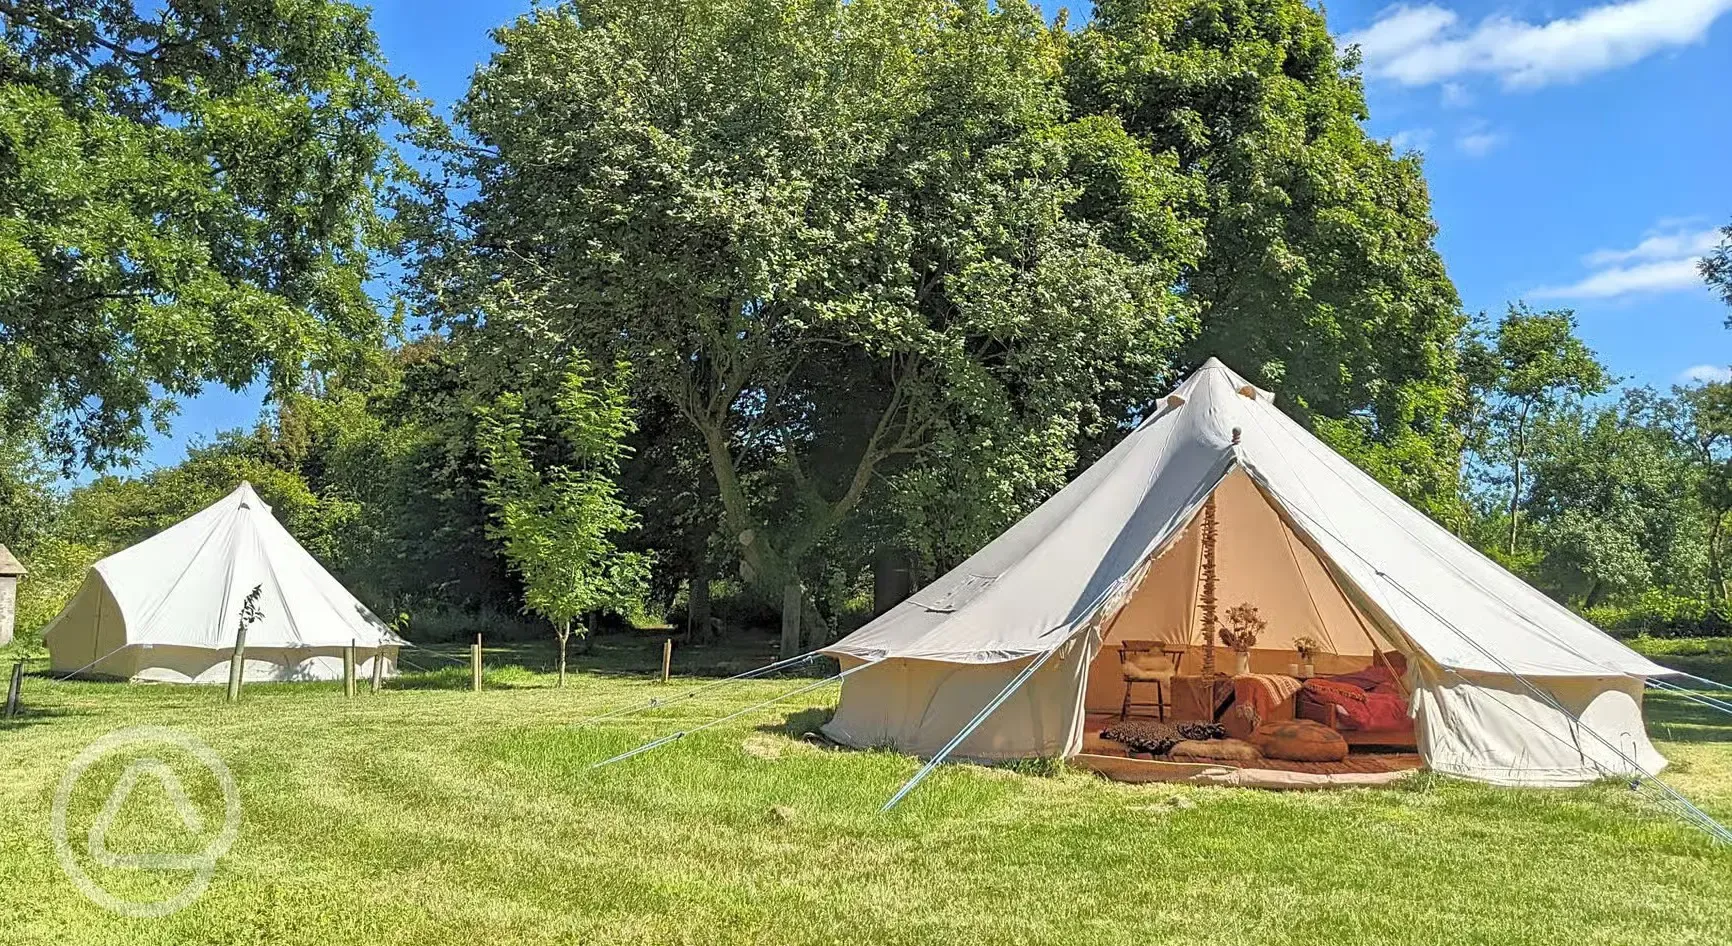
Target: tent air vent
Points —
{"points": [[955, 597]]}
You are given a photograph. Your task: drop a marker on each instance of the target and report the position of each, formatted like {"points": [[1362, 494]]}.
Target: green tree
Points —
{"points": [[190, 192], [559, 523], [1320, 280], [1520, 372], [1716, 268], [1613, 502], [28, 501], [847, 244], [1702, 420]]}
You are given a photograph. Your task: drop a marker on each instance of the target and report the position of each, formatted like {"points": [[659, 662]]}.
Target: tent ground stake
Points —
{"points": [[667, 657], [475, 665], [349, 670], [378, 669]]}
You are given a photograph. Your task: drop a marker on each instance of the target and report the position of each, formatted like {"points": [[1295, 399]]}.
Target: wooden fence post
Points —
{"points": [[349, 670], [15, 689], [378, 668], [667, 657], [475, 664], [237, 661]]}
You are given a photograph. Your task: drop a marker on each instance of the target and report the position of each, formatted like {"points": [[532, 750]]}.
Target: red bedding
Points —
{"points": [[1366, 711]]}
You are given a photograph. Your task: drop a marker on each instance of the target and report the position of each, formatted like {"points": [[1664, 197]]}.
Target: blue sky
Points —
{"points": [[1579, 155]]}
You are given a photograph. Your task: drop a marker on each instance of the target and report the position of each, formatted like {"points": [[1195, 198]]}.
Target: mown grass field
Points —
{"points": [[430, 815]]}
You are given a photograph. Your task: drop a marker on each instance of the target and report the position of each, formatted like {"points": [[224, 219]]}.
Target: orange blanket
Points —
{"points": [[1257, 694]]}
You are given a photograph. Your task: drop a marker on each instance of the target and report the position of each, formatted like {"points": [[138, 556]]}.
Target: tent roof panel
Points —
{"points": [[1039, 582]]}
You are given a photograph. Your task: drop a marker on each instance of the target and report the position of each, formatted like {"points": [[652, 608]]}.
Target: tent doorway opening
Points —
{"points": [[1151, 666]]}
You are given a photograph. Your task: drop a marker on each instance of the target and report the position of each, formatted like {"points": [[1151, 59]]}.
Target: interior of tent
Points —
{"points": [[1150, 675]]}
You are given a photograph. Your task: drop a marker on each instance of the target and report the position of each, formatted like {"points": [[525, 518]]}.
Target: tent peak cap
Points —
{"points": [[1211, 371], [248, 497], [10, 566]]}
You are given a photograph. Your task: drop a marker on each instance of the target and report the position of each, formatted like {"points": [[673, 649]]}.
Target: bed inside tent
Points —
{"points": [[1151, 677]]}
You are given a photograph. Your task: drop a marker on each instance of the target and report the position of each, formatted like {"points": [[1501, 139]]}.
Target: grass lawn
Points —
{"points": [[428, 814]]}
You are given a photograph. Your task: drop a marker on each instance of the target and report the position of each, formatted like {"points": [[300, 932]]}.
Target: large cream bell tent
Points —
{"points": [[168, 609], [1497, 681]]}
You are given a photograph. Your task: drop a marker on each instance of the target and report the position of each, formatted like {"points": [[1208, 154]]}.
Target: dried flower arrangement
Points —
{"points": [[1307, 648], [1243, 626]]}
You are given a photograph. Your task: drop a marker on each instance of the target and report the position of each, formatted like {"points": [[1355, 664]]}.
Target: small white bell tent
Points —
{"points": [[1501, 683], [167, 609]]}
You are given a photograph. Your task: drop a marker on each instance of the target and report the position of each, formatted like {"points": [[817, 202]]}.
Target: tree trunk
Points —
{"points": [[792, 596], [1517, 452], [564, 638], [1515, 500], [892, 580], [588, 641], [1716, 571], [1593, 596], [698, 628]]}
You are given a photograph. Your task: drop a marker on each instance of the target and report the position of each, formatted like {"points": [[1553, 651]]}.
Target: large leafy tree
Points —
{"points": [[1320, 280], [1702, 421], [1613, 501], [189, 192], [843, 242], [1521, 372]]}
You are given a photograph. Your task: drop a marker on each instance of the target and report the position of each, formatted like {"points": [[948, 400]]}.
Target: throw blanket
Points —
{"points": [[1257, 694], [1153, 736], [1374, 711]]}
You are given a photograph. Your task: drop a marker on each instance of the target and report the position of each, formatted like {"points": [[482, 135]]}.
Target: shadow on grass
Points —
{"points": [[524, 664], [29, 716], [799, 723], [1674, 717]]}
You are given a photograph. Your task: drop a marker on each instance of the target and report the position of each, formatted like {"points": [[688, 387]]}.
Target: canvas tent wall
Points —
{"points": [[1508, 686], [167, 609]]}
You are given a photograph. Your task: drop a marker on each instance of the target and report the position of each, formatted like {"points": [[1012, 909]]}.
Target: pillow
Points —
{"points": [[1300, 740], [1349, 702], [1376, 676], [1332, 691], [1215, 750]]}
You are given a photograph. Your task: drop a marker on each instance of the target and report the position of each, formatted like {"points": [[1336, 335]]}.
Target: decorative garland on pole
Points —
{"points": [[1207, 598]]}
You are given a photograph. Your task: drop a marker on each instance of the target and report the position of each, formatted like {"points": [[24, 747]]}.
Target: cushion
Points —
{"points": [[1334, 691], [1377, 676], [1215, 750], [1134, 671], [1300, 740], [1147, 665]]}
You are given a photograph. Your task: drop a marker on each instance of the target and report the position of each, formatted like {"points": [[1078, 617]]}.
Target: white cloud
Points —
{"points": [[1421, 45], [1697, 374], [1412, 139], [1478, 144], [1660, 246], [1665, 260], [1663, 276], [1456, 95]]}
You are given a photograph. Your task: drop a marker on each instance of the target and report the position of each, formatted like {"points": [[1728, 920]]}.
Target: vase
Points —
{"points": [[1306, 669], [1241, 663]]}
